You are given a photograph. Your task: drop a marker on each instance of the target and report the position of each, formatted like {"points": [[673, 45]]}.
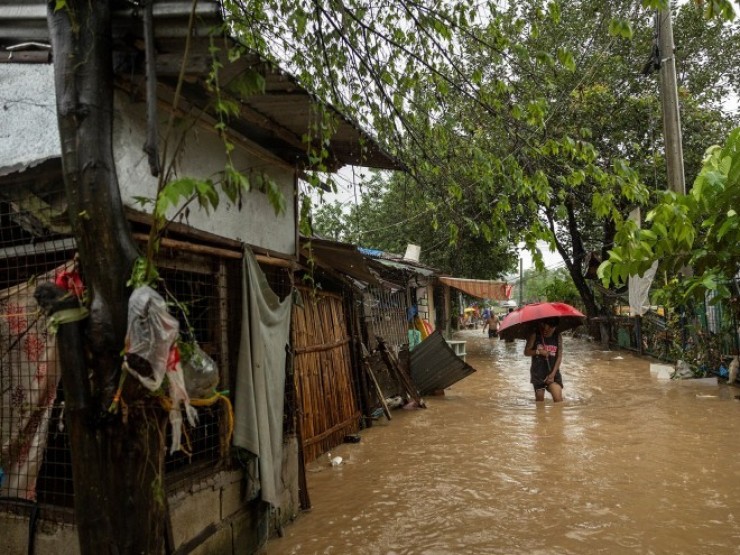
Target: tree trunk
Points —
{"points": [[575, 263], [117, 461]]}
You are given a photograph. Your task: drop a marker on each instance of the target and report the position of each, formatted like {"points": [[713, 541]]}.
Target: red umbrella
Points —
{"points": [[523, 321]]}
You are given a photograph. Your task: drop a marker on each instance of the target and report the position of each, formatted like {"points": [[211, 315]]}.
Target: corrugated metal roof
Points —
{"points": [[276, 119], [435, 366], [406, 266], [341, 257], [25, 20]]}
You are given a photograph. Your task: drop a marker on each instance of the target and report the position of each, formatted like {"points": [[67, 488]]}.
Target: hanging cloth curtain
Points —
{"points": [[260, 377], [639, 289]]}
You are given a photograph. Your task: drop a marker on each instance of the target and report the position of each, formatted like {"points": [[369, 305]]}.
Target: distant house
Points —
{"points": [[214, 499]]}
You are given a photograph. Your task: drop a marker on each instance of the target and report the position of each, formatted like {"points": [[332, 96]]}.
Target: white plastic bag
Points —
{"points": [[151, 332]]}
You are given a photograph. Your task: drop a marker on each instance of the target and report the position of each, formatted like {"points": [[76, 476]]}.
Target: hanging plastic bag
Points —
{"points": [[151, 332], [179, 397], [201, 374], [151, 335]]}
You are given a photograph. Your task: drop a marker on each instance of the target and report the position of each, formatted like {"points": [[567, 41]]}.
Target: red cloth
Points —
{"points": [[70, 281]]}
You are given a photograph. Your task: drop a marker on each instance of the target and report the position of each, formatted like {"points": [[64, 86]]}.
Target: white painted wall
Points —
{"points": [[28, 119], [29, 135], [203, 156]]}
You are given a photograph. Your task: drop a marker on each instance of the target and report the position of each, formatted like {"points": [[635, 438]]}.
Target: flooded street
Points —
{"points": [[627, 464]]}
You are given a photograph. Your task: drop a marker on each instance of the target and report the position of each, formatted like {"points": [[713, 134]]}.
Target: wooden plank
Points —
{"points": [[392, 363], [374, 380], [324, 347], [222, 292], [337, 427]]}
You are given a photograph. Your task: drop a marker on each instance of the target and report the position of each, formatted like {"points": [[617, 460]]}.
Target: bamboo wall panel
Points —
{"points": [[328, 409]]}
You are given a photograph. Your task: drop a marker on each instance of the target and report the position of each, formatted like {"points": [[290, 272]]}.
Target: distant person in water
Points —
{"points": [[491, 322], [545, 346]]}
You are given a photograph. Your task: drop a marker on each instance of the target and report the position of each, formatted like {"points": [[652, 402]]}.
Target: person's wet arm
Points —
{"points": [[529, 348], [558, 358]]}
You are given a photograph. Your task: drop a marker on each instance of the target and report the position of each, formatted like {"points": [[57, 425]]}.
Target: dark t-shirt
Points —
{"points": [[539, 369]]}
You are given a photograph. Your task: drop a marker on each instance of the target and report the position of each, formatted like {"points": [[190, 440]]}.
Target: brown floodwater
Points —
{"points": [[627, 464]]}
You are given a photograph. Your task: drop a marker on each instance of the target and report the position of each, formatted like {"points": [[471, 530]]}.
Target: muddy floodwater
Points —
{"points": [[627, 464]]}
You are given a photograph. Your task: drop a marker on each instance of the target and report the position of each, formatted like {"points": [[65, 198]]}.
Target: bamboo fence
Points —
{"points": [[325, 397]]}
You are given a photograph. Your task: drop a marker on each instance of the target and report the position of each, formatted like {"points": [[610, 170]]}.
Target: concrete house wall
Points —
{"points": [[203, 156], [29, 134], [27, 116]]}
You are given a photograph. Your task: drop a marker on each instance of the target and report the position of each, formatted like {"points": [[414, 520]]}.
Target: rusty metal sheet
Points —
{"points": [[435, 366], [342, 257]]}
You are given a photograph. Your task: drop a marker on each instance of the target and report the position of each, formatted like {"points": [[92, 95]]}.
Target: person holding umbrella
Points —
{"points": [[545, 346], [541, 324]]}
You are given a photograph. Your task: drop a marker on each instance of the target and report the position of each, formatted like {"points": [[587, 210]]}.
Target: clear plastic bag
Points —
{"points": [[201, 374], [151, 336], [151, 332]]}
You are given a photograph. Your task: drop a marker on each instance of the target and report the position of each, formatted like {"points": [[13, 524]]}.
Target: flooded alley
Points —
{"points": [[627, 464]]}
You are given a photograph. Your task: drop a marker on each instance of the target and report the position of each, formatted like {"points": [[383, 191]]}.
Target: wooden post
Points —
{"points": [[447, 312], [374, 380], [392, 363]]}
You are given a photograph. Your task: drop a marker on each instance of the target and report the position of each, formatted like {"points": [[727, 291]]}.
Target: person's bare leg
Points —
{"points": [[556, 391], [539, 395]]}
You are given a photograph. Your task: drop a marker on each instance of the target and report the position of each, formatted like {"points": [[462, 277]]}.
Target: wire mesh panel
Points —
{"points": [[34, 246], [721, 320], [385, 316], [35, 461], [197, 289]]}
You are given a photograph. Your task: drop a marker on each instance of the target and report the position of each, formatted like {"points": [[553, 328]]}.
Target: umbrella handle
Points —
{"points": [[547, 356]]}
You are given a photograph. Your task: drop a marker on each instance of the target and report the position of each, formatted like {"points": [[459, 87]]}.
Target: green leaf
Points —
{"points": [[553, 10], [655, 4], [565, 57], [620, 28], [613, 255], [247, 84]]}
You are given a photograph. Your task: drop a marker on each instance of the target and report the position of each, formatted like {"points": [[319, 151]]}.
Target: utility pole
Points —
{"points": [[669, 101], [521, 281]]}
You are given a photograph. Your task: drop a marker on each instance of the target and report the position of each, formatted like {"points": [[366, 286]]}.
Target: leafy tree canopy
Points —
{"points": [[393, 212], [539, 125], [548, 285], [695, 234]]}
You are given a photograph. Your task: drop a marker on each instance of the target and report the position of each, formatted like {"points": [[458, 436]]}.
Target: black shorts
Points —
{"points": [[538, 379], [492, 333]]}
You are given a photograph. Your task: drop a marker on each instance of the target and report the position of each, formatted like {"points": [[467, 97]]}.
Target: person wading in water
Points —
{"points": [[491, 322], [545, 346]]}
